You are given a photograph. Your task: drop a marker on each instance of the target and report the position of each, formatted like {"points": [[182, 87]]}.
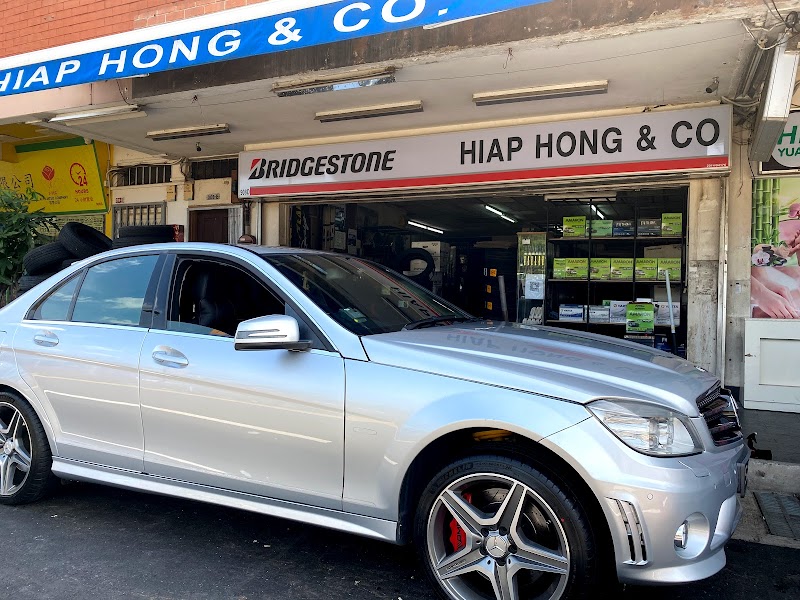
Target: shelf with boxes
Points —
{"points": [[632, 255]]}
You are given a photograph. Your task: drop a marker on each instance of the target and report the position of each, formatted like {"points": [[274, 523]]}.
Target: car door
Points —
{"points": [[78, 350], [266, 422]]}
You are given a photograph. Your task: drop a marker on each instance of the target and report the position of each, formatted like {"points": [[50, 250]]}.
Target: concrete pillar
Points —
{"points": [[705, 273], [271, 224], [739, 216]]}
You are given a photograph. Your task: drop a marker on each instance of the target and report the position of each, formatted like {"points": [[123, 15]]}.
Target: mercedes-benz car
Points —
{"points": [[521, 461]]}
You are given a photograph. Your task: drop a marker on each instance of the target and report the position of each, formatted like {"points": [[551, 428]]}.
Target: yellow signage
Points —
{"points": [[61, 177]]}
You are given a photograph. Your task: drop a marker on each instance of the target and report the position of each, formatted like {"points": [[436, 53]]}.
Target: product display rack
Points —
{"points": [[586, 291]]}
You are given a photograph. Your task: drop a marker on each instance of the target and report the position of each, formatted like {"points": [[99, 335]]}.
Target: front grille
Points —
{"points": [[719, 410]]}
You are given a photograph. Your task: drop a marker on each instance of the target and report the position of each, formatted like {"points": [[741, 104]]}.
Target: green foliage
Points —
{"points": [[20, 230]]}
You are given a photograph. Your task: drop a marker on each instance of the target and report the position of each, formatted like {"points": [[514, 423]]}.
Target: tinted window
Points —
{"points": [[56, 306], [113, 292]]}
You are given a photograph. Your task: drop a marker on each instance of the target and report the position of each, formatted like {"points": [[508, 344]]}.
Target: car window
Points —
{"points": [[212, 297], [113, 292], [55, 307]]}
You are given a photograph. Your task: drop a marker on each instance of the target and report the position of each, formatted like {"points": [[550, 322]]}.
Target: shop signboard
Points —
{"points": [[775, 242], [60, 177], [785, 157], [651, 142], [250, 31]]}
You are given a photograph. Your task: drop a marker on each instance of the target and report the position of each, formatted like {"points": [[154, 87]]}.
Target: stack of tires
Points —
{"points": [[135, 235], [75, 241]]}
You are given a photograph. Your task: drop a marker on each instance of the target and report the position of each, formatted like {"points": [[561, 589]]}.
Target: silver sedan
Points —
{"points": [[523, 462]]}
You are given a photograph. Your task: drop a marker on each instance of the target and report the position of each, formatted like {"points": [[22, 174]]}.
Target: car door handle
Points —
{"points": [[46, 338], [169, 357]]}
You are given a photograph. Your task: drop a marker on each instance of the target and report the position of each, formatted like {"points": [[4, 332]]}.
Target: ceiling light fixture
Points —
{"points": [[110, 113], [188, 132], [367, 112], [597, 212], [499, 213], [334, 83], [542, 92], [426, 227]]}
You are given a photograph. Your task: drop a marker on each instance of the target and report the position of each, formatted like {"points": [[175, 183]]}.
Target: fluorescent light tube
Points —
{"points": [[499, 213], [543, 92], [597, 212], [426, 227], [332, 83], [366, 112], [111, 111], [188, 132]]}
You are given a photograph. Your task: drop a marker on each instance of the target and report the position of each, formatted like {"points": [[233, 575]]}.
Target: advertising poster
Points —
{"points": [[775, 239], [61, 177]]}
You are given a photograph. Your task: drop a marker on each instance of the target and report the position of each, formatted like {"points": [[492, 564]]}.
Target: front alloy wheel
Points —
{"points": [[496, 529]]}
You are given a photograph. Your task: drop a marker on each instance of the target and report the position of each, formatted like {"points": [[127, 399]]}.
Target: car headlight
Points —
{"points": [[648, 428]]}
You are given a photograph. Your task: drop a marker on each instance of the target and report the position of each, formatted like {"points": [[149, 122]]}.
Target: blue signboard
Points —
{"points": [[324, 23]]}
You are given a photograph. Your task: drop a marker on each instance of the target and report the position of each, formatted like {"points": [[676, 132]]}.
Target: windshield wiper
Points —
{"points": [[431, 321]]}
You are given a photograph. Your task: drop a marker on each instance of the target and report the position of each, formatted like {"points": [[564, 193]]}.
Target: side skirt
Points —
{"points": [[357, 524]]}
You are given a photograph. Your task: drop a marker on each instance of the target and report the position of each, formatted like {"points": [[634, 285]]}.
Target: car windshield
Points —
{"points": [[364, 297]]}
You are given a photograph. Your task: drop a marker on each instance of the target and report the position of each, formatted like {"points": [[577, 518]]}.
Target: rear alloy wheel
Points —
{"points": [[493, 528], [25, 458]]}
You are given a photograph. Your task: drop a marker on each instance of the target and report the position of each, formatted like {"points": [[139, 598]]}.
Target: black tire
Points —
{"points": [[83, 241], [566, 521], [45, 259], [28, 282], [136, 241], [163, 233], [71, 261], [39, 480], [404, 263]]}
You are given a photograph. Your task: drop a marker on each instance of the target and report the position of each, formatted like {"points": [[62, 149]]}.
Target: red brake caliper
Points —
{"points": [[458, 539]]}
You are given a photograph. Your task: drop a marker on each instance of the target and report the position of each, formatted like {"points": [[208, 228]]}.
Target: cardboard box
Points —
{"points": [[576, 268], [646, 269], [648, 228], [601, 227], [559, 268], [599, 314], [572, 312], [616, 311], [622, 269], [600, 268], [574, 227], [662, 313], [639, 317], [671, 224], [673, 265], [624, 228]]}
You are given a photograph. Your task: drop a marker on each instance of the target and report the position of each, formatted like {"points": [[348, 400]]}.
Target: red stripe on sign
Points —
{"points": [[527, 174]]}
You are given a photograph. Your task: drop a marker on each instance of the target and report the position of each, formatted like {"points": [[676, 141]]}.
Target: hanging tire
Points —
{"points": [[488, 525], [404, 263], [28, 282], [163, 233], [83, 241], [26, 461], [45, 259]]}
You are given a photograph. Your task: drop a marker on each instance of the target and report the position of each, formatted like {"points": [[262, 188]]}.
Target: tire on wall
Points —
{"points": [[83, 241], [26, 468], [45, 259], [493, 518]]}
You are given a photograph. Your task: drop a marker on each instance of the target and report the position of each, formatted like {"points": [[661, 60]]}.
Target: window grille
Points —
{"points": [[141, 175], [139, 214]]}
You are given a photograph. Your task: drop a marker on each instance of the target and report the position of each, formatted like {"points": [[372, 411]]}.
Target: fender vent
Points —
{"points": [[633, 527]]}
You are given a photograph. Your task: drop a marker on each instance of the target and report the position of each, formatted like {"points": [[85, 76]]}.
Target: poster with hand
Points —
{"points": [[775, 241]]}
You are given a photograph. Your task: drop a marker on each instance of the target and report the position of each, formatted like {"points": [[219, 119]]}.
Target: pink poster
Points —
{"points": [[775, 235]]}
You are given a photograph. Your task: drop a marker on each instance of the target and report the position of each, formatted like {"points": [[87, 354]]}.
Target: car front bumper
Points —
{"points": [[646, 500]]}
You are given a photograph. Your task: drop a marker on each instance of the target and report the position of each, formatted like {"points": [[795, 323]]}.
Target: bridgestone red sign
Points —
{"points": [[653, 142]]}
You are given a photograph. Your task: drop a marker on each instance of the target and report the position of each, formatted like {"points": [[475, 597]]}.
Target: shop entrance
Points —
{"points": [[569, 260]]}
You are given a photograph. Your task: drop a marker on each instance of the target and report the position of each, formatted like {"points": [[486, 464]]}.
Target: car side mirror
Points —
{"points": [[273, 332]]}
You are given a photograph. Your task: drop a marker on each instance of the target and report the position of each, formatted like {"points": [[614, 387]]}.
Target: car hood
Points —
{"points": [[578, 367]]}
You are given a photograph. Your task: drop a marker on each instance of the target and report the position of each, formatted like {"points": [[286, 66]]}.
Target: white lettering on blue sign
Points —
{"points": [[321, 24]]}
